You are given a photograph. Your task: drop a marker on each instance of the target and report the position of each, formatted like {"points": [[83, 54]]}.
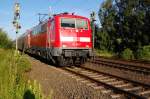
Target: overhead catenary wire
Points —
{"points": [[43, 15]]}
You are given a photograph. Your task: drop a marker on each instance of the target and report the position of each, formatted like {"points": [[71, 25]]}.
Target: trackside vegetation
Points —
{"points": [[13, 84], [144, 53], [104, 53], [5, 42], [124, 28]]}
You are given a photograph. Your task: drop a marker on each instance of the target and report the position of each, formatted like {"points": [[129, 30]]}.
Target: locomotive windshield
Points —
{"points": [[74, 23], [66, 22], [81, 24]]}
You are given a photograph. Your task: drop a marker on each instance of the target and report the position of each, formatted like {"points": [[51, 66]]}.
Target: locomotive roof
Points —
{"points": [[59, 15], [69, 15], [55, 15]]}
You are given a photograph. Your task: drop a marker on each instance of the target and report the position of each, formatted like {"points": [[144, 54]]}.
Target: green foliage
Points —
{"points": [[102, 41], [106, 33], [104, 53], [126, 23], [144, 53], [25, 64], [13, 84], [127, 54], [5, 42]]}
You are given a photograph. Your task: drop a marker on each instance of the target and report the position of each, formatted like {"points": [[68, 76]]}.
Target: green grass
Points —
{"points": [[104, 53], [13, 84]]}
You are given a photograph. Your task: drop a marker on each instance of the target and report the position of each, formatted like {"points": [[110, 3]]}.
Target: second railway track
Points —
{"points": [[124, 66], [123, 88]]}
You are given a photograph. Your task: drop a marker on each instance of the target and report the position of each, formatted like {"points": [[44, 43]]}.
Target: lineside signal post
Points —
{"points": [[93, 15], [15, 22]]}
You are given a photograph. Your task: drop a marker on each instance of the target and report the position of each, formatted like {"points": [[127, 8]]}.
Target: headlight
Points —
{"points": [[64, 46], [87, 46]]}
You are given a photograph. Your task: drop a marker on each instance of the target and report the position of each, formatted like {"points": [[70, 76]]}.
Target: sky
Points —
{"points": [[31, 8]]}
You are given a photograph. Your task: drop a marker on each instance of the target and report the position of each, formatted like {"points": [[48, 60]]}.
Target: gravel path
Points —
{"points": [[61, 84]]}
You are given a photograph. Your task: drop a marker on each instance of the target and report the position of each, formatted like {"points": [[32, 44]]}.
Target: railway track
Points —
{"points": [[116, 87], [144, 62], [139, 68]]}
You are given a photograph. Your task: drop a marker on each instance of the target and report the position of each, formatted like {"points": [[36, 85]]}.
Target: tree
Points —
{"points": [[126, 22], [101, 39], [106, 16]]}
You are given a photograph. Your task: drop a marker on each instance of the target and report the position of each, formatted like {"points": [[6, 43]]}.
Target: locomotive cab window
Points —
{"points": [[68, 22], [81, 24]]}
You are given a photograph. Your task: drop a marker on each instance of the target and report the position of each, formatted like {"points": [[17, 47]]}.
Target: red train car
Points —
{"points": [[64, 39]]}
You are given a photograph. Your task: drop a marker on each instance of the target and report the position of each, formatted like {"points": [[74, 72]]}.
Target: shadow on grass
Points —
{"points": [[28, 95]]}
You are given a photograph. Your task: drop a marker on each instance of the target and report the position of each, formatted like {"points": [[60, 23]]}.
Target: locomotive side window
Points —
{"points": [[81, 24], [68, 22], [36, 30], [52, 30], [33, 31]]}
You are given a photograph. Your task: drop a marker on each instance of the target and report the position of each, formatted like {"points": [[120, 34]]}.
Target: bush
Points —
{"points": [[5, 42], [144, 53], [127, 54]]}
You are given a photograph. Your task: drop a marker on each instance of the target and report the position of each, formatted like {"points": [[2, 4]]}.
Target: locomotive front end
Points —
{"points": [[75, 39]]}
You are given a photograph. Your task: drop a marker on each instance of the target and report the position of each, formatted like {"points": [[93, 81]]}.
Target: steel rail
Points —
{"points": [[119, 90], [130, 67]]}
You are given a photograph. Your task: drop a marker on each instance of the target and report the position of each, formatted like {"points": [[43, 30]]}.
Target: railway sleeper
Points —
{"points": [[117, 96], [134, 89], [116, 82], [89, 74], [98, 87], [145, 93], [112, 94], [102, 78], [109, 80], [113, 82], [123, 85], [96, 76]]}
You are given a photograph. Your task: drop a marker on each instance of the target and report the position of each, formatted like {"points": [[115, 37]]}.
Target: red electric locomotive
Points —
{"points": [[64, 39]]}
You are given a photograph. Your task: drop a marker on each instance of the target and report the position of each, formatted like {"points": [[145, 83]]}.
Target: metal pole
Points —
{"points": [[93, 27], [16, 41], [16, 21], [93, 34]]}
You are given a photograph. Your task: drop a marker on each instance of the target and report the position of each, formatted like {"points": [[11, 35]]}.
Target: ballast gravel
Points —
{"points": [[60, 84], [143, 78]]}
